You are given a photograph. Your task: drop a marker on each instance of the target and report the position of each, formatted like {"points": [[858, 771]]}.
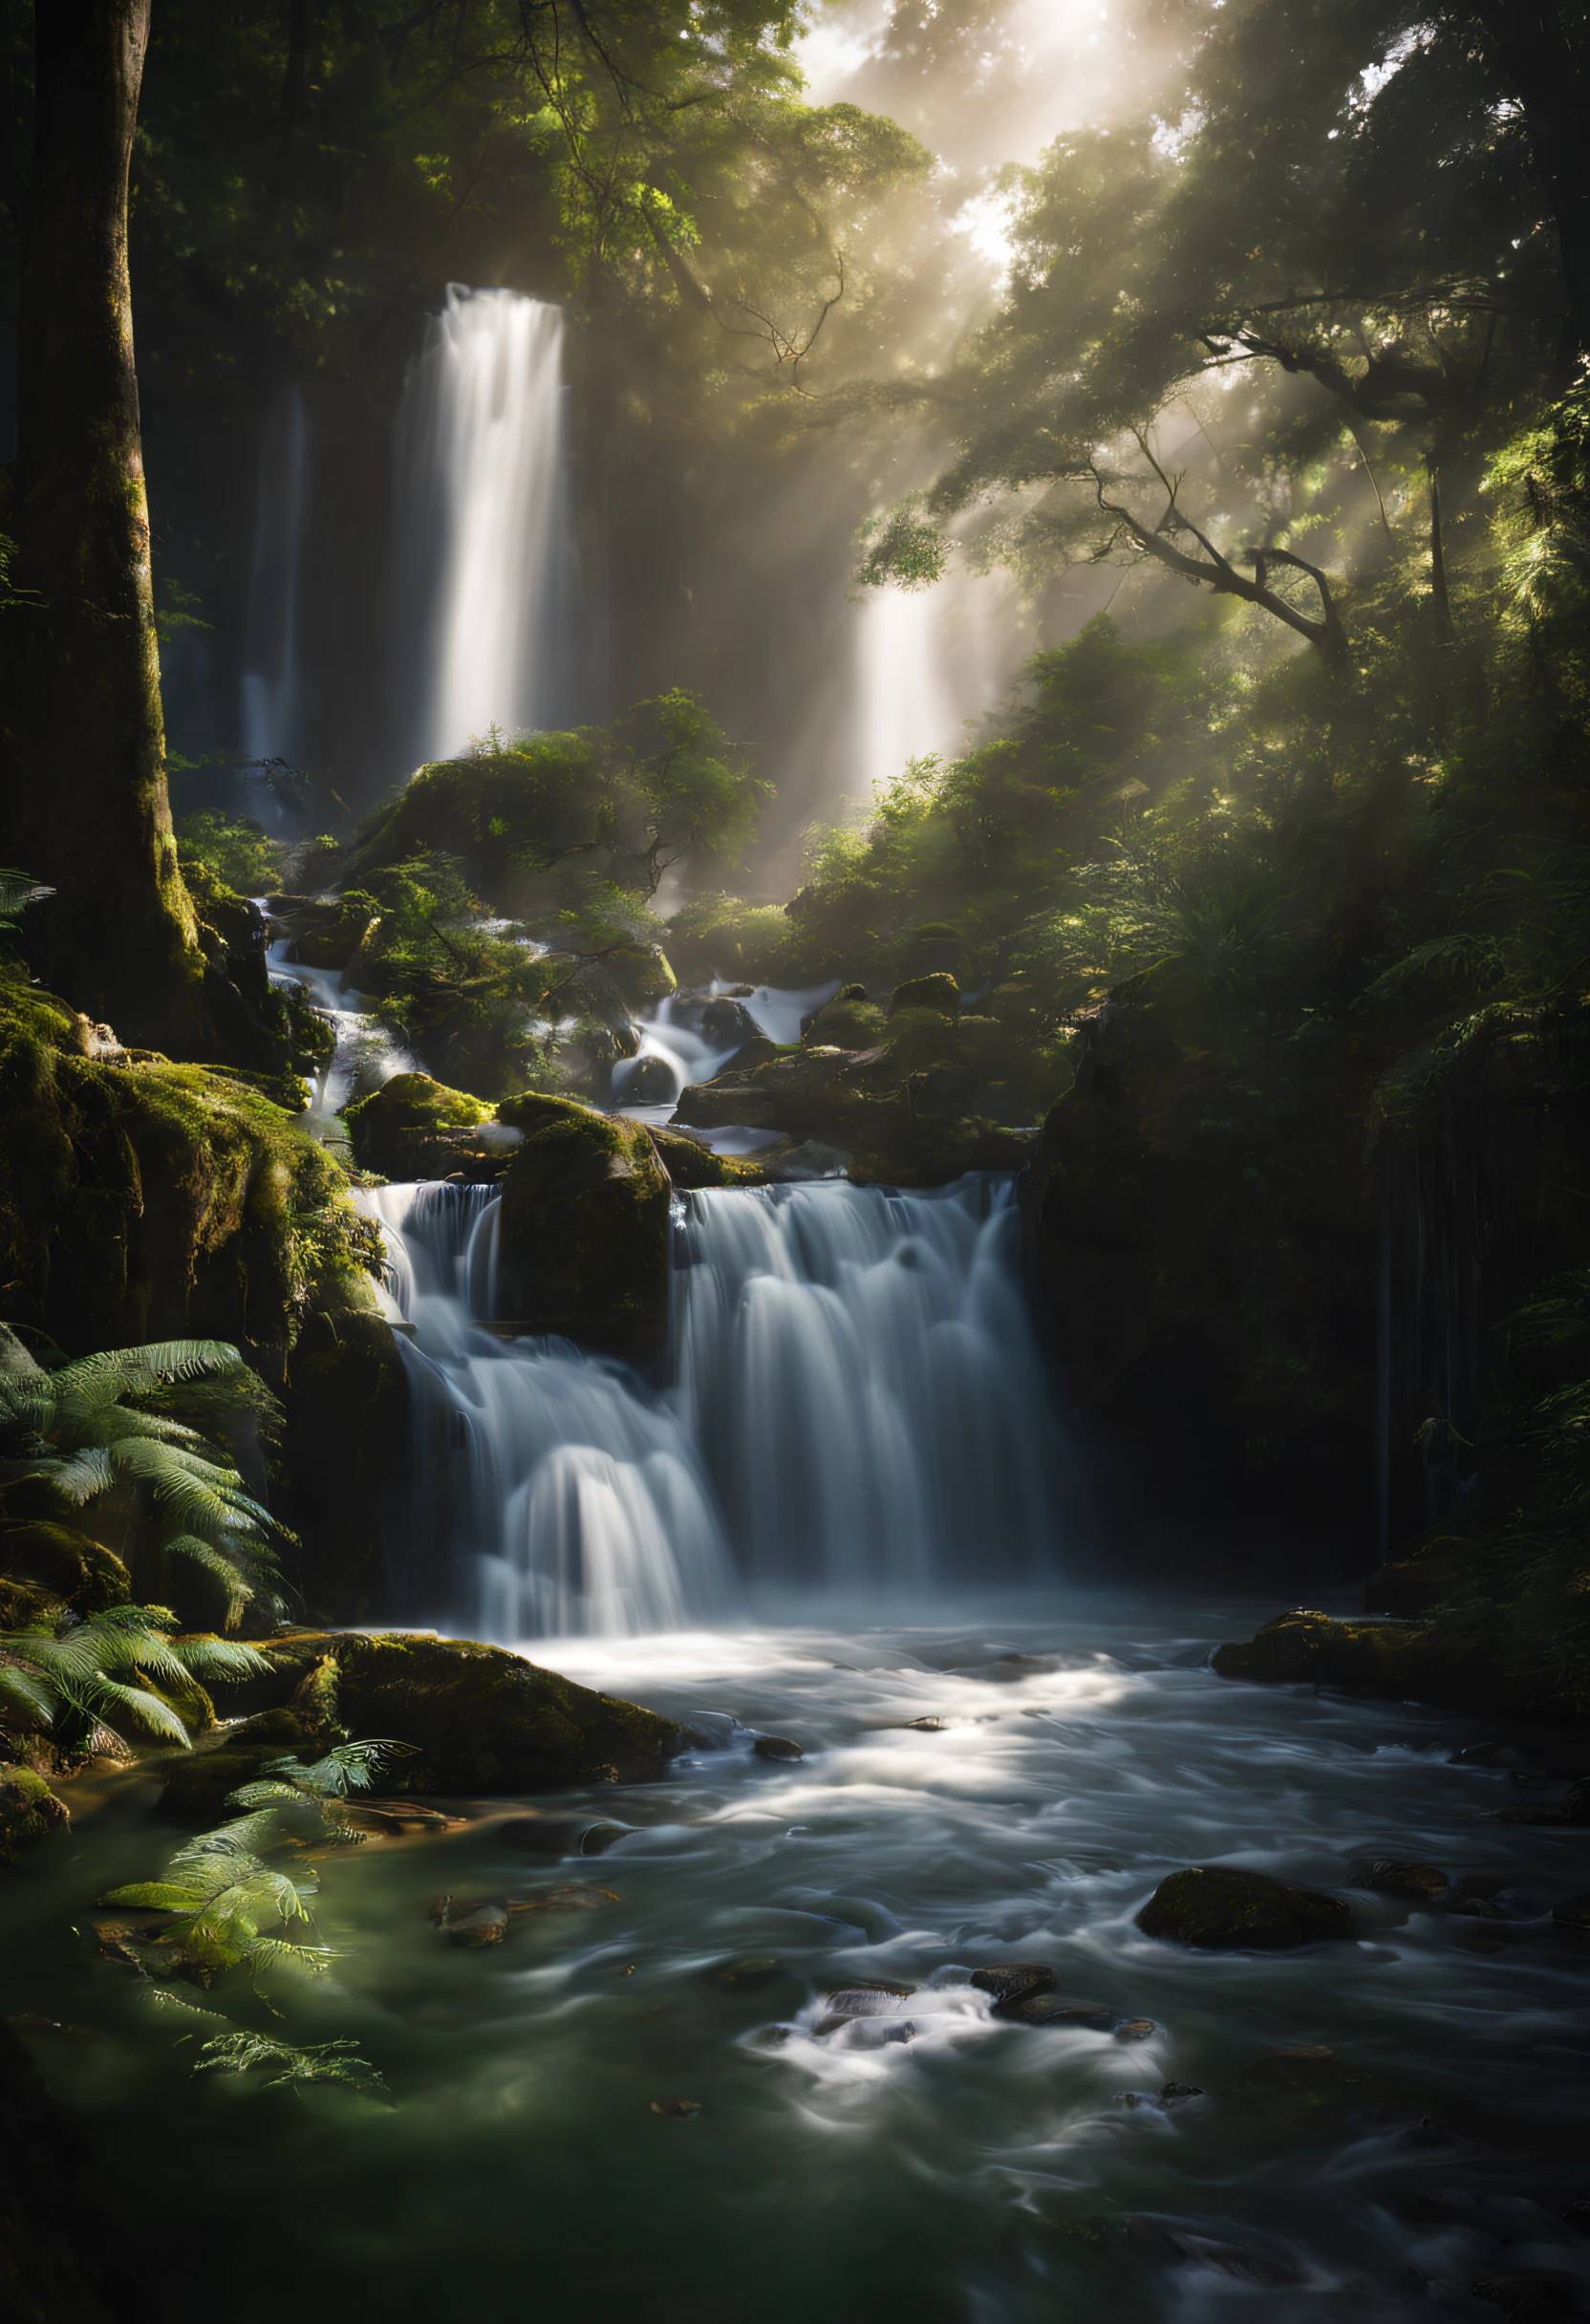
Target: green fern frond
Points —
{"points": [[16, 1365], [323, 2061], [188, 1547], [97, 1380]]}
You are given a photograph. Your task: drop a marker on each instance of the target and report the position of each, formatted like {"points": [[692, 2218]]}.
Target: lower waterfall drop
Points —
{"points": [[857, 1401]]}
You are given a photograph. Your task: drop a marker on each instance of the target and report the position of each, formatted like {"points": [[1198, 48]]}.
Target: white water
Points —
{"points": [[366, 1054], [483, 522], [856, 1400], [271, 686], [679, 1035]]}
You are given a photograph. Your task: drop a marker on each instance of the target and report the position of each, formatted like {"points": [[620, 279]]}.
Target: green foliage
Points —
{"points": [[293, 2064], [93, 1685], [233, 846], [16, 892], [84, 1431]]}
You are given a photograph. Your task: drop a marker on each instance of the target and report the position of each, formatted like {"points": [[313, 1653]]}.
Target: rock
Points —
{"points": [[1216, 1910], [1399, 1662], [1013, 1980], [481, 1719], [199, 1784], [1574, 1913], [848, 1025], [414, 1127], [1418, 1884], [1136, 2029], [649, 1082], [680, 2110], [747, 1974], [776, 1747], [560, 1834], [1422, 1575], [29, 1812], [1186, 2242], [938, 991], [867, 2000], [926, 1727], [66, 1563], [690, 1164], [477, 1924], [585, 1229], [1531, 2294], [1177, 2094], [1059, 2009], [1481, 1883]]}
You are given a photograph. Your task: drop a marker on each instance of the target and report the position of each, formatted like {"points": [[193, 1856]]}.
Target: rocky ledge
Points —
{"points": [[1399, 1659]]}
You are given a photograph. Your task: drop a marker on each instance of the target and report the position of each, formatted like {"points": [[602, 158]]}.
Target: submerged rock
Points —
{"points": [[477, 1924], [1059, 2009], [776, 1747], [1216, 1910], [1013, 1980], [1416, 1883]]}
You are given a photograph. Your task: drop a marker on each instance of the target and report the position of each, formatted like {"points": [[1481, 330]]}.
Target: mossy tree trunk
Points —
{"points": [[86, 806]]}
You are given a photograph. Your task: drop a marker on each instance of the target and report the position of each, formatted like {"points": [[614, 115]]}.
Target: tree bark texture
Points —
{"points": [[85, 805]]}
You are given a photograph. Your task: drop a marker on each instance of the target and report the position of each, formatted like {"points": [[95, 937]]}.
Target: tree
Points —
{"points": [[86, 806]]}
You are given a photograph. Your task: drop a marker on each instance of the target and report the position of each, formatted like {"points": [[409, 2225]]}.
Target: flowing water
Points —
{"points": [[854, 1399], [929, 2163], [482, 525], [271, 685]]}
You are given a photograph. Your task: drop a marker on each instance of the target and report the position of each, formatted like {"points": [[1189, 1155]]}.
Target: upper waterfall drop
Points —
{"points": [[484, 561]]}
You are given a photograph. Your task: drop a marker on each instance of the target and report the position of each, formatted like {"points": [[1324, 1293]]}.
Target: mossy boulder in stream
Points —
{"points": [[413, 1127], [480, 1720], [1219, 1910], [29, 1812], [585, 1229], [1467, 1664]]}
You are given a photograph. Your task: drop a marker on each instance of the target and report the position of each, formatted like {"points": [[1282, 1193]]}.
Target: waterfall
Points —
{"points": [[271, 683], [856, 1399], [482, 524], [903, 706]]}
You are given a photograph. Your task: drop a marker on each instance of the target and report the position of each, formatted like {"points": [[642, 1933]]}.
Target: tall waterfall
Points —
{"points": [[482, 524], [271, 704], [856, 1399]]}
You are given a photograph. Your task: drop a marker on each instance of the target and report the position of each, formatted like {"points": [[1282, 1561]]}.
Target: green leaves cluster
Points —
{"points": [[95, 1685]]}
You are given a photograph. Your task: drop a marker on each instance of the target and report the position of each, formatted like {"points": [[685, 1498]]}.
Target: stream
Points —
{"points": [[932, 2162]]}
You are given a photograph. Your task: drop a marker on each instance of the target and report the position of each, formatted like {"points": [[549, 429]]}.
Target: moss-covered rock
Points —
{"points": [[145, 1200], [846, 1023], [1465, 1666], [585, 1229], [29, 1812], [413, 1127], [65, 1563], [1219, 1910], [938, 991], [690, 1164], [641, 974], [481, 1719]]}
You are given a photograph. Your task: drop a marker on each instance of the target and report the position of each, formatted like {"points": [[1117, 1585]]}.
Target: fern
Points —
{"points": [[88, 1684], [297, 2063]]}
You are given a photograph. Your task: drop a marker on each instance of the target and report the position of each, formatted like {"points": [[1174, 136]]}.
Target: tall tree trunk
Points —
{"points": [[87, 807], [1541, 49]]}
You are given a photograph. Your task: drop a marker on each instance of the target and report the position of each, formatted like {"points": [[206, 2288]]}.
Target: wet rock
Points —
{"points": [[477, 1924], [649, 1082], [1397, 1661], [1177, 2094], [1216, 1910], [415, 1128], [1186, 2242], [585, 1229], [748, 1974], [926, 1727], [480, 1720], [1013, 1980], [29, 1812], [867, 2000], [776, 1747], [560, 1834], [1135, 2028], [1574, 1913], [691, 1163], [1059, 2009], [1532, 2295], [1386, 1876], [679, 2110], [1480, 1883]]}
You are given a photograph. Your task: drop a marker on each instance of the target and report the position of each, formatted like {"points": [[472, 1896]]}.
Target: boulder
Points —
{"points": [[29, 1812], [413, 1127], [1469, 1669], [846, 1023], [585, 1229], [1010, 1981], [1413, 1883], [690, 1164], [480, 1720], [939, 992], [1217, 1909]]}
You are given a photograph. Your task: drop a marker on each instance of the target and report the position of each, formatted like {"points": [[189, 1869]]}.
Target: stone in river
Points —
{"points": [[1417, 1883], [1177, 2094], [744, 1974], [680, 2109], [1135, 2028], [477, 1924], [1013, 1980], [926, 1727], [1059, 2009], [1217, 1909], [1574, 1912], [776, 1747]]}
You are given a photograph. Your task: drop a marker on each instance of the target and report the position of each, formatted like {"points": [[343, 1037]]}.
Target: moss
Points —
{"points": [[66, 1563], [585, 1229], [641, 974], [480, 1718], [691, 1164], [145, 1200], [1219, 1910], [1465, 1666], [409, 1128], [938, 991], [848, 1025], [29, 1812]]}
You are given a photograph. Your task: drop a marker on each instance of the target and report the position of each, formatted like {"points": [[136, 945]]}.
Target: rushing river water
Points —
{"points": [[932, 2164]]}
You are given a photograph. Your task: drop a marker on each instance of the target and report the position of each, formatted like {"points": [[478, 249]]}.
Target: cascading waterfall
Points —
{"points": [[482, 524], [856, 1401], [271, 684]]}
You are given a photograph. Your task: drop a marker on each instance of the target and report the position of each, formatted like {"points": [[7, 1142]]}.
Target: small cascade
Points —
{"points": [[859, 1371], [482, 524], [689, 1037], [550, 1495], [857, 1401], [271, 684], [365, 1055]]}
